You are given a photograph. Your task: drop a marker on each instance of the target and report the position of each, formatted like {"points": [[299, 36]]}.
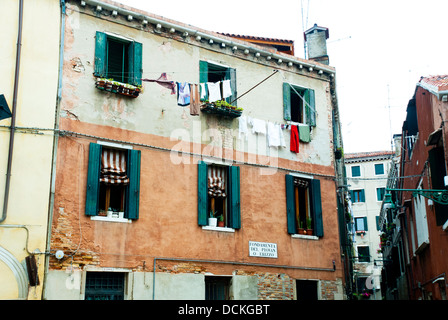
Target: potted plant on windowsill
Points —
{"points": [[212, 220], [309, 226], [221, 221], [301, 229]]}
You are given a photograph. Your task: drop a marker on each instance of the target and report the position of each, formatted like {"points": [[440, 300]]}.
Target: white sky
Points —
{"points": [[380, 49]]}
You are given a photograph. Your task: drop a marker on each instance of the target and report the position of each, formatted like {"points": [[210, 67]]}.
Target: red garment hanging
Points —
{"points": [[294, 142]]}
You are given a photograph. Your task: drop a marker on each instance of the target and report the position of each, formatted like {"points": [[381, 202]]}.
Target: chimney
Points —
{"points": [[316, 42]]}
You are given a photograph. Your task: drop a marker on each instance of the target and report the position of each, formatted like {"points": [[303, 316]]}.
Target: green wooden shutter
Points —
{"points": [[362, 196], [366, 228], [377, 218], [202, 194], [93, 179], [203, 75], [311, 107], [290, 205], [231, 75], [316, 207], [286, 101], [235, 202], [135, 63], [133, 189], [100, 54]]}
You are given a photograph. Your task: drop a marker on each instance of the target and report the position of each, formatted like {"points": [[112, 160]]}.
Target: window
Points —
{"points": [[361, 224], [210, 72], [436, 157], [304, 205], [104, 286], [380, 193], [217, 288], [379, 169], [358, 195], [118, 59], [307, 290], [299, 104], [219, 193], [113, 181], [363, 254], [356, 171]]}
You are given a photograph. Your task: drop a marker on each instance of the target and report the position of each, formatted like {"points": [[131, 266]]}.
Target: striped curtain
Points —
{"points": [[113, 167], [217, 181]]}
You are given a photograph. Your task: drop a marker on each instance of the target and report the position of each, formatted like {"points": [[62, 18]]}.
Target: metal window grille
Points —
{"points": [[104, 286], [217, 288]]}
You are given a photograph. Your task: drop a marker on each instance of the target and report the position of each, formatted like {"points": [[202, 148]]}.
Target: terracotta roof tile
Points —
{"points": [[368, 154], [435, 83]]}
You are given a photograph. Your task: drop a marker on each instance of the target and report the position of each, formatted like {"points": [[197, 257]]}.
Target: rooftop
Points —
{"points": [[366, 156], [434, 84]]}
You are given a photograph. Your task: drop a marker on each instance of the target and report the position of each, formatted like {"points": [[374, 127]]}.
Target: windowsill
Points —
{"points": [[220, 229], [302, 236], [110, 219]]}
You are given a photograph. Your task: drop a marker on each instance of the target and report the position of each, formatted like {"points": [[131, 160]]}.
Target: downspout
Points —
{"points": [[55, 142], [13, 117]]}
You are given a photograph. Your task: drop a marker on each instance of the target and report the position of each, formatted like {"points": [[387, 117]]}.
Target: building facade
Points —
{"points": [[367, 174], [28, 101], [415, 216]]}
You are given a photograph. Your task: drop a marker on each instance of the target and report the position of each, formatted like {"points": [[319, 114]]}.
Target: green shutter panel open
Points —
{"points": [[362, 196], [286, 101], [203, 75], [235, 200], [135, 63], [100, 54], [316, 206], [366, 228], [202, 194], [93, 179], [312, 107], [133, 189], [290, 205]]}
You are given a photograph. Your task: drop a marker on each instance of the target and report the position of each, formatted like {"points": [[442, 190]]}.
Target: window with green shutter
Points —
{"points": [[219, 195], [379, 168], [303, 206], [356, 171], [299, 104], [358, 195], [210, 72], [118, 59], [113, 182]]}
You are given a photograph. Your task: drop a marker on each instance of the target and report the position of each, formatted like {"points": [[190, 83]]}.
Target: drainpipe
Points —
{"points": [[13, 117]]}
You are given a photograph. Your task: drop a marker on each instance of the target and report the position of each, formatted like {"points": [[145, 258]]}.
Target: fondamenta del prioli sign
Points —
{"points": [[262, 249]]}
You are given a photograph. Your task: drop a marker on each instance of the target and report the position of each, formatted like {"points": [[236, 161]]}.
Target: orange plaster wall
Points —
{"points": [[167, 224]]}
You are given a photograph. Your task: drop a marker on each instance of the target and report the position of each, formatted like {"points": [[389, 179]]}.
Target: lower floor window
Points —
{"points": [[104, 286], [307, 290], [217, 288]]}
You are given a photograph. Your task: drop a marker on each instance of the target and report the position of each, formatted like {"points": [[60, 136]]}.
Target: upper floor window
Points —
{"points": [[118, 58], [379, 168], [220, 81], [356, 171], [299, 104], [358, 195]]}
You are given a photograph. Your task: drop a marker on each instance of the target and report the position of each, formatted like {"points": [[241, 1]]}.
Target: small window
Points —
{"points": [[219, 195], [363, 254], [104, 286], [299, 104], [361, 224], [113, 181], [222, 75], [357, 195], [217, 288], [356, 171], [380, 193], [379, 169], [307, 290], [118, 59], [304, 206]]}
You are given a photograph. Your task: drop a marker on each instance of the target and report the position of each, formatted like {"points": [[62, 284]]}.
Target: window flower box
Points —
{"points": [[222, 108], [118, 87]]}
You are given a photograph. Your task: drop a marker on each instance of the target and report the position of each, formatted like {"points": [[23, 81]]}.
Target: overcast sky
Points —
{"points": [[380, 49]]}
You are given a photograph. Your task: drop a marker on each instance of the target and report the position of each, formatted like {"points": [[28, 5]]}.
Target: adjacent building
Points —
{"points": [[163, 126], [28, 99], [367, 174], [415, 213]]}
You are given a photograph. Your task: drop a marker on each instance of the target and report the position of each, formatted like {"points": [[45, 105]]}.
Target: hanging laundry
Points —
{"points": [[273, 135], [226, 89], [183, 94], [304, 133], [258, 126], [242, 124], [214, 91], [195, 105], [203, 89], [294, 143], [164, 82]]}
